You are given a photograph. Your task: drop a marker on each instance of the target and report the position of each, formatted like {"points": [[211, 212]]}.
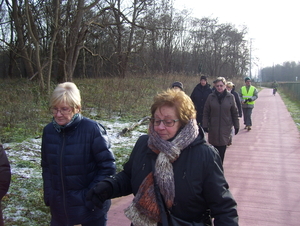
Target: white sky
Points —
{"points": [[273, 26]]}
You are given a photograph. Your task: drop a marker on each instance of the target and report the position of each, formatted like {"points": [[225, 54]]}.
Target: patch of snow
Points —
{"points": [[25, 159]]}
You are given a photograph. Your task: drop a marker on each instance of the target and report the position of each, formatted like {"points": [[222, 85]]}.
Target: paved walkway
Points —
{"points": [[262, 168]]}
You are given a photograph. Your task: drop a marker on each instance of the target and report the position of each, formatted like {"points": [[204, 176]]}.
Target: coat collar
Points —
{"points": [[71, 126]]}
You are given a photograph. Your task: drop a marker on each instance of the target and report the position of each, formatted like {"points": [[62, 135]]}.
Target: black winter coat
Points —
{"points": [[199, 181], [199, 97], [5, 174], [73, 161], [238, 102]]}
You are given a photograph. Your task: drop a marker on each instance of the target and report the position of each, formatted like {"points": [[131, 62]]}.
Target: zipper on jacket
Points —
{"points": [[62, 179]]}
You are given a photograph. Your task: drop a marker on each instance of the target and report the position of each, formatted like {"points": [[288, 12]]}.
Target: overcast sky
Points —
{"points": [[274, 26]]}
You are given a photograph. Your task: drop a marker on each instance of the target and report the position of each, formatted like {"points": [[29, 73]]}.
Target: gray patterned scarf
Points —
{"points": [[144, 210]]}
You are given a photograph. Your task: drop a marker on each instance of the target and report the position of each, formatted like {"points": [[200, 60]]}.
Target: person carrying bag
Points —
{"points": [[170, 220], [174, 174]]}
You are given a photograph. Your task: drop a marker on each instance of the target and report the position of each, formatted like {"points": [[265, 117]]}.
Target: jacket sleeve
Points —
{"points": [[45, 173], [235, 114], [241, 95], [206, 113], [255, 94], [121, 182], [103, 155], [193, 96], [5, 174], [217, 195], [238, 103]]}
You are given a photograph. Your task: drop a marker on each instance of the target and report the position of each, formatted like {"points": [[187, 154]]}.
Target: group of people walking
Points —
{"points": [[220, 107], [176, 177]]}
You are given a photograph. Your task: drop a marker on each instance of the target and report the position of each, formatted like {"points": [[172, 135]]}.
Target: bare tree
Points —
{"points": [[123, 31], [55, 30], [17, 15], [32, 31], [219, 48], [63, 39]]}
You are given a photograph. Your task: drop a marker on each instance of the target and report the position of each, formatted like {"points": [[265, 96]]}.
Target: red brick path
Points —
{"points": [[262, 168]]}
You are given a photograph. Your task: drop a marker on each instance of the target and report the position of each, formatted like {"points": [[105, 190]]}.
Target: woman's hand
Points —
{"points": [[99, 193]]}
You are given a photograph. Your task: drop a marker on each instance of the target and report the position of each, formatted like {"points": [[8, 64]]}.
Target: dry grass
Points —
{"points": [[24, 108]]}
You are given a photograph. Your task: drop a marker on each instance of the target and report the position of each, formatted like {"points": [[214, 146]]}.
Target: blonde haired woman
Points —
{"points": [[75, 156]]}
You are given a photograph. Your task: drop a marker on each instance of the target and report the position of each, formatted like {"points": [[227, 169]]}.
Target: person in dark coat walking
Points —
{"points": [[173, 162], [5, 176], [199, 97], [231, 88], [177, 85], [75, 156], [219, 115]]}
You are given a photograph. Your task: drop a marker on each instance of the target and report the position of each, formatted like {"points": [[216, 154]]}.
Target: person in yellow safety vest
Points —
{"points": [[248, 95]]}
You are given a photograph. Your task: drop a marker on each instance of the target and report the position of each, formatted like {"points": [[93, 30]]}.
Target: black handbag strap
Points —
{"points": [[160, 202]]}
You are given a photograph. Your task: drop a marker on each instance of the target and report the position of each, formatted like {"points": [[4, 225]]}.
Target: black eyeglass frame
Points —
{"points": [[54, 111], [157, 122]]}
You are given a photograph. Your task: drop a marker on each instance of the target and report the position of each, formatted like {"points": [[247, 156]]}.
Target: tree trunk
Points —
{"points": [[20, 36], [34, 36]]}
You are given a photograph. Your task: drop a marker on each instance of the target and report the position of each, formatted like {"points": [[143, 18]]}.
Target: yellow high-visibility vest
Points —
{"points": [[248, 94]]}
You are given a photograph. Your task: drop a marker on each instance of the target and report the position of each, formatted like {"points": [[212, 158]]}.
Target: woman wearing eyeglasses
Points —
{"points": [[75, 156], [172, 172], [219, 115]]}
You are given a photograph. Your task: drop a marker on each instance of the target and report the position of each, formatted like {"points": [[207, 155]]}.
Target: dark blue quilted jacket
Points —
{"points": [[73, 161]]}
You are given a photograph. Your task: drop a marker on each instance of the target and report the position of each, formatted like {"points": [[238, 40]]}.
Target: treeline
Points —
{"points": [[288, 71], [61, 40]]}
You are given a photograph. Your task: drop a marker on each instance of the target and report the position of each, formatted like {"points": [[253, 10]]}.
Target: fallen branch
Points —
{"points": [[133, 126]]}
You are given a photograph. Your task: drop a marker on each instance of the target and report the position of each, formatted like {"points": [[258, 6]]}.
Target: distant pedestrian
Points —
{"points": [[275, 87], [219, 115], [248, 95], [214, 87], [178, 86], [199, 97], [231, 88], [5, 176], [75, 156]]}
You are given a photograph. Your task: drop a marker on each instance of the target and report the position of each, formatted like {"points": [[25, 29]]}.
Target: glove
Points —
{"points": [[99, 193], [247, 100], [205, 130], [236, 130]]}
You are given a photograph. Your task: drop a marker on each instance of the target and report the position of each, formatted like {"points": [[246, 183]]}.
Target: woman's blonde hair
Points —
{"points": [[230, 84], [178, 99], [220, 79], [67, 93]]}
